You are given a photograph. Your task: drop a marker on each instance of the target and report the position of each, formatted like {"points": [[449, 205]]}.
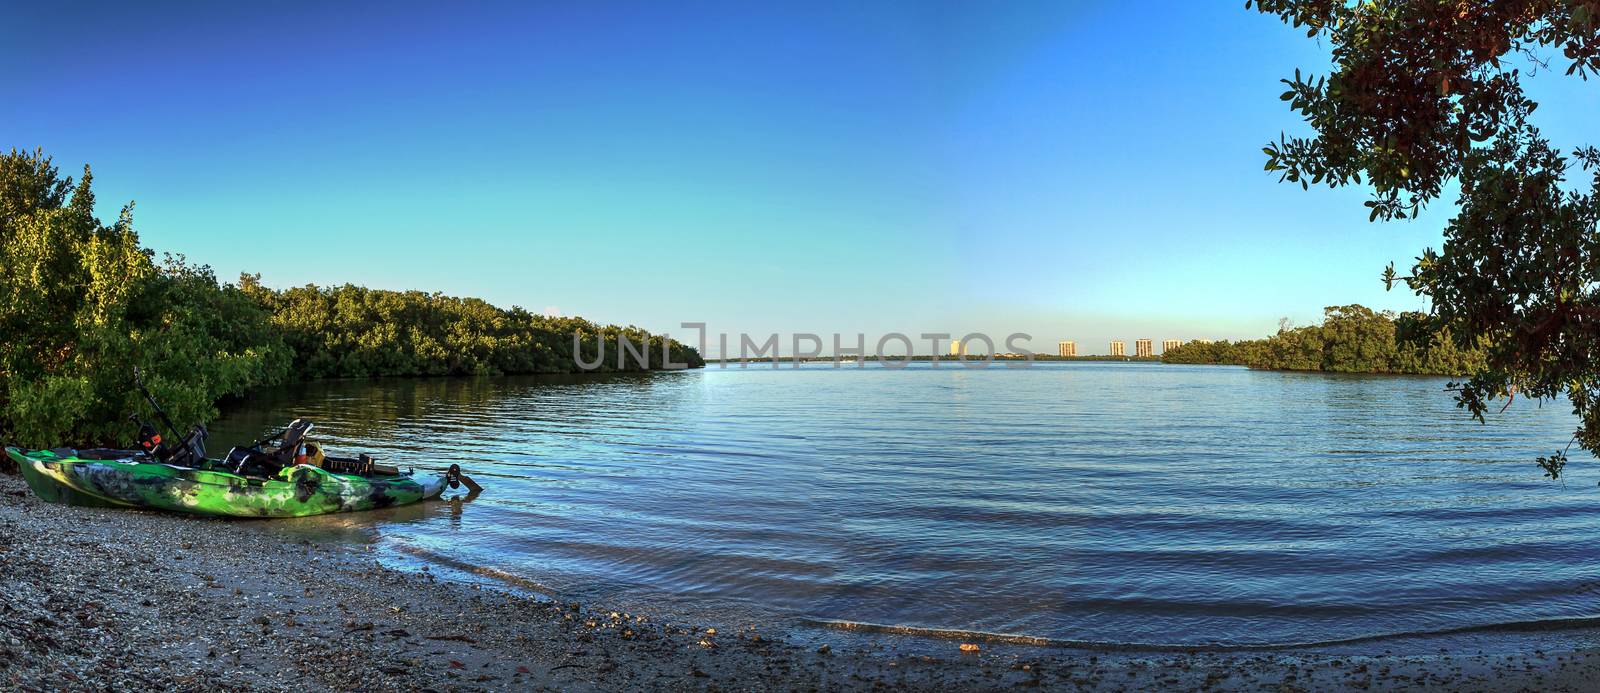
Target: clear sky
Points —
{"points": [[1071, 170]]}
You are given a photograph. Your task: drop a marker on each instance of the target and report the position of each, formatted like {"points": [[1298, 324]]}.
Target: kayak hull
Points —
{"points": [[294, 492]]}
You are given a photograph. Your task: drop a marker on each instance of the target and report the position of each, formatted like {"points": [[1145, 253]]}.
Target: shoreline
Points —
{"points": [[96, 598]]}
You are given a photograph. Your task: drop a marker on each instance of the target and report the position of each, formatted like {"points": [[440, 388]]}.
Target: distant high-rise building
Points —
{"points": [[955, 347], [1141, 348], [1170, 344], [1068, 348], [1119, 348], [1201, 341]]}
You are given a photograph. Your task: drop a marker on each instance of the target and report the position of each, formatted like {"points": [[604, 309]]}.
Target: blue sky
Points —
{"points": [[1069, 170]]}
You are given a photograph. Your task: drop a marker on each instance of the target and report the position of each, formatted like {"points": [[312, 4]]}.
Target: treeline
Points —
{"points": [[1351, 339], [82, 303], [355, 332]]}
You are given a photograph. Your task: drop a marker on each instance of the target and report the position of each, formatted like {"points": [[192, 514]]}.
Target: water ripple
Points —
{"points": [[1081, 503]]}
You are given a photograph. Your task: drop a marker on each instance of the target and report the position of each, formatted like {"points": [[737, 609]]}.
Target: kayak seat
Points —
{"points": [[253, 461], [293, 437]]}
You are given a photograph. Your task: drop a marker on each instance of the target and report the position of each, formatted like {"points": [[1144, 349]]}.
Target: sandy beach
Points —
{"points": [[110, 599]]}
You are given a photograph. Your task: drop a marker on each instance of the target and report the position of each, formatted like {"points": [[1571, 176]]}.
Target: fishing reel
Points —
{"points": [[149, 438]]}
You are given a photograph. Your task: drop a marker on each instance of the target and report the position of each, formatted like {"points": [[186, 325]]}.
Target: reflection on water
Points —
{"points": [[1101, 502]]}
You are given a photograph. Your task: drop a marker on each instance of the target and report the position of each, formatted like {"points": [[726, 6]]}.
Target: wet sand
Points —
{"points": [[92, 599]]}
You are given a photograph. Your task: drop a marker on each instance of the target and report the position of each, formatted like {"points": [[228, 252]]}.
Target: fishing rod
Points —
{"points": [[138, 381], [188, 450]]}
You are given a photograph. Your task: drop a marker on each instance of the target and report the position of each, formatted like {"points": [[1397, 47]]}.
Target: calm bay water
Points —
{"points": [[1113, 503]]}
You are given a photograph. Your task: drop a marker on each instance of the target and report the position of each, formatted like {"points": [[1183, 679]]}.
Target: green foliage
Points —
{"points": [[1351, 339], [82, 304], [1416, 86], [1216, 353], [1422, 92], [356, 332]]}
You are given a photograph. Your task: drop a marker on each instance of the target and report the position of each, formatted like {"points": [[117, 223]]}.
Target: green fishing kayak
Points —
{"points": [[139, 482]]}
